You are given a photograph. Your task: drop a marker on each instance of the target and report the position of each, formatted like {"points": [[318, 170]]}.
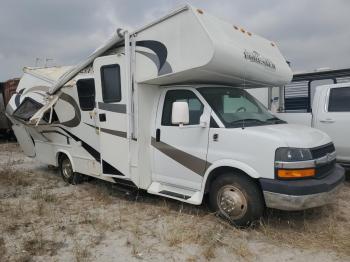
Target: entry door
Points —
{"points": [[180, 153], [111, 98], [335, 121]]}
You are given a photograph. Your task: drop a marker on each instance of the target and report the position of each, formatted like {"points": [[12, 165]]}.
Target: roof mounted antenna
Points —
{"points": [[37, 60], [47, 60]]}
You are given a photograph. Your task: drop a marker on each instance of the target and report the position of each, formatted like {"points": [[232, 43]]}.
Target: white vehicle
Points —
{"points": [[164, 109], [330, 113]]}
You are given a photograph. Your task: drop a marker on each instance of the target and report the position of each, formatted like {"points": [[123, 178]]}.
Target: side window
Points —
{"points": [[27, 109], [86, 94], [339, 100], [194, 104], [111, 84]]}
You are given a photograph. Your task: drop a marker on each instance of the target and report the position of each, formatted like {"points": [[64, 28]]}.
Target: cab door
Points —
{"points": [[180, 152], [111, 100]]}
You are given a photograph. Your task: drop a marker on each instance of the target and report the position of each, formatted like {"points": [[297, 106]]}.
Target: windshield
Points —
{"points": [[237, 108]]}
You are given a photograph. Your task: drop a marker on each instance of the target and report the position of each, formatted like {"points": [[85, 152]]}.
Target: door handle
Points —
{"points": [[102, 117], [157, 135], [327, 121]]}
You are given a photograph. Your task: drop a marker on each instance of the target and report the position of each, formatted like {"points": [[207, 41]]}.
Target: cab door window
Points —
{"points": [[194, 104]]}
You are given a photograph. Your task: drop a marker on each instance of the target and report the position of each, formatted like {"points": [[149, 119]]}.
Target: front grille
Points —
{"points": [[321, 151], [325, 170]]}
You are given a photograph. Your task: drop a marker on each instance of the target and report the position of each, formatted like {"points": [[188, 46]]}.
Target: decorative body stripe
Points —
{"points": [[196, 164], [110, 131], [116, 108]]}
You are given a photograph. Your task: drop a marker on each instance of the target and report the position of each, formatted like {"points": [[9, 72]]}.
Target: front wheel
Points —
{"points": [[236, 198]]}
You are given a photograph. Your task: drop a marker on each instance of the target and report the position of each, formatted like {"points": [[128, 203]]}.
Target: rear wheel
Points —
{"points": [[67, 172], [236, 198]]}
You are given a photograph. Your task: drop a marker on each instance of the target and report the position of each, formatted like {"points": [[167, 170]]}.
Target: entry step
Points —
{"points": [[184, 195]]}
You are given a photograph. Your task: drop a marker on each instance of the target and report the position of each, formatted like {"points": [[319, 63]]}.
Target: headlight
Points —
{"points": [[293, 163], [288, 154]]}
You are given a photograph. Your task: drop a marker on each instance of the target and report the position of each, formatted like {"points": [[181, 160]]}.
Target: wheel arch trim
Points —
{"points": [[65, 152], [234, 164], [228, 163]]}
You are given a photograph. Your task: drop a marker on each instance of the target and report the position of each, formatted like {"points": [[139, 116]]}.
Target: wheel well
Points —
{"points": [[59, 155], [214, 174]]}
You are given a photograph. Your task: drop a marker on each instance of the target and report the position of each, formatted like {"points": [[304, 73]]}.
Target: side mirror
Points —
{"points": [[180, 113]]}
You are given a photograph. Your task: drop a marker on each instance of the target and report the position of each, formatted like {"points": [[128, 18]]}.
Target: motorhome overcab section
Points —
{"points": [[173, 118]]}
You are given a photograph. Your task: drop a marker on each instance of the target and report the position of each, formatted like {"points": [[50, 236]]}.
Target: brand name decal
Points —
{"points": [[255, 57]]}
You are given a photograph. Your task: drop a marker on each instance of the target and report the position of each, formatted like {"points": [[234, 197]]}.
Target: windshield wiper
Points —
{"points": [[276, 120], [248, 121]]}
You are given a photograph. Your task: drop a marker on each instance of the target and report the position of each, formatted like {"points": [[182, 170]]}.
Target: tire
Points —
{"points": [[230, 190], [67, 172]]}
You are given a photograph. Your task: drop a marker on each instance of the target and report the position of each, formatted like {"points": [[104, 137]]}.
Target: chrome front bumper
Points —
{"points": [[302, 194]]}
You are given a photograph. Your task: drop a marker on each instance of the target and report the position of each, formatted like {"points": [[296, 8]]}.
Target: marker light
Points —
{"points": [[295, 173]]}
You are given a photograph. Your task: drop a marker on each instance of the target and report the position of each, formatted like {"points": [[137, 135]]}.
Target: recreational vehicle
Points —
{"points": [[164, 109]]}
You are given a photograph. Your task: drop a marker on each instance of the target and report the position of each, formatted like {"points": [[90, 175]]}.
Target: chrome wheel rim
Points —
{"points": [[232, 202], [67, 170]]}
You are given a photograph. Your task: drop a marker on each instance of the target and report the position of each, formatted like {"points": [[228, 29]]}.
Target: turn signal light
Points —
{"points": [[296, 173]]}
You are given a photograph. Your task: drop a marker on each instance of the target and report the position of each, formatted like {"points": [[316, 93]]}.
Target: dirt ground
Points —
{"points": [[44, 219]]}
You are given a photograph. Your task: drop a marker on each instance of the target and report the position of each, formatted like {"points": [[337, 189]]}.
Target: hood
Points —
{"points": [[293, 135]]}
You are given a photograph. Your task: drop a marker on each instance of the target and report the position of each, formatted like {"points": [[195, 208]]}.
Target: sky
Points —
{"points": [[310, 33]]}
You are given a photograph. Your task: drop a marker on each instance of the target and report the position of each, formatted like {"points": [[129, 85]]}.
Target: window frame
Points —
{"points": [[164, 102], [328, 100], [84, 79], [119, 99]]}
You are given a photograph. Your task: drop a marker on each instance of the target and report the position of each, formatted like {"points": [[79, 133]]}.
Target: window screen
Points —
{"points": [[339, 100], [194, 104], [111, 86], [86, 94], [27, 109]]}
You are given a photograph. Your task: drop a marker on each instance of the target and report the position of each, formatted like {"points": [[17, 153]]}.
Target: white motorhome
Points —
{"points": [[165, 109]]}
